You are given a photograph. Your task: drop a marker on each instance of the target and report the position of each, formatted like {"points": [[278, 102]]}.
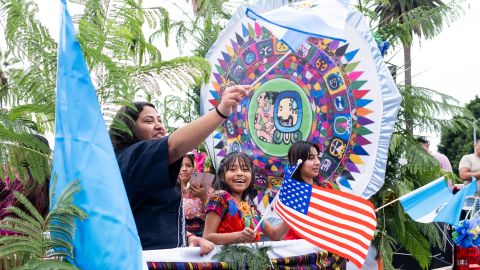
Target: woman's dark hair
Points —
{"points": [[243, 159], [191, 157], [122, 131], [300, 150], [422, 139]]}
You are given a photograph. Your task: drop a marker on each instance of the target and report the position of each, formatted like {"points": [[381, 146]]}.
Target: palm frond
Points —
{"points": [[37, 241], [24, 155], [400, 20], [178, 73], [47, 264], [430, 110], [415, 243]]}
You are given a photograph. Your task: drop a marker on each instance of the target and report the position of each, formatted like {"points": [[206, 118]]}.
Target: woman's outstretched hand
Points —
{"points": [[190, 136], [232, 96]]}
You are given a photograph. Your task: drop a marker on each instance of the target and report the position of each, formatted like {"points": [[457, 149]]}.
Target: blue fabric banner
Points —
{"points": [[108, 238], [451, 212]]}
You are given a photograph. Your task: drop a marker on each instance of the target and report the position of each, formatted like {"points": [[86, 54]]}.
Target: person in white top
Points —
{"points": [[469, 165]]}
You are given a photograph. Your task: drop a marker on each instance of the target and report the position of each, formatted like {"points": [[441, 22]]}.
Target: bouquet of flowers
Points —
{"points": [[467, 233], [467, 239]]}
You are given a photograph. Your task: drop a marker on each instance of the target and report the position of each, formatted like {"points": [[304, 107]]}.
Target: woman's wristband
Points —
{"points": [[220, 114]]}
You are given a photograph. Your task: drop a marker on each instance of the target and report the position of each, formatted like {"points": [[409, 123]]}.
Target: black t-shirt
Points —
{"points": [[152, 191]]}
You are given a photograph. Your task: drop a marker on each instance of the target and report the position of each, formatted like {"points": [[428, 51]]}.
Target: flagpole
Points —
{"points": [[270, 68], [385, 205], [267, 212], [269, 207], [397, 199]]}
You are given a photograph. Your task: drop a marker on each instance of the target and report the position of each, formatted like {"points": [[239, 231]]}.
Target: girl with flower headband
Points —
{"points": [[230, 212]]}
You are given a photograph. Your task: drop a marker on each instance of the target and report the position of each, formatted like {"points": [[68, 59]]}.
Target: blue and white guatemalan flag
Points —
{"points": [[451, 212], [294, 23], [108, 238], [435, 202], [423, 203]]}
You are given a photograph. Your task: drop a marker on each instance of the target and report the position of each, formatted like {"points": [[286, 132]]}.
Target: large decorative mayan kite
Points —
{"points": [[339, 95]]}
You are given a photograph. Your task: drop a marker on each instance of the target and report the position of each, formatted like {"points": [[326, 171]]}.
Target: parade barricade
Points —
{"points": [[284, 254]]}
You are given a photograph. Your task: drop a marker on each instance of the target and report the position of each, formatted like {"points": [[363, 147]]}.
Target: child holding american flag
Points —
{"points": [[230, 215]]}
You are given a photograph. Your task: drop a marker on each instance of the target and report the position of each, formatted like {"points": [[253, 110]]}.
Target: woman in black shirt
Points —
{"points": [[149, 162]]}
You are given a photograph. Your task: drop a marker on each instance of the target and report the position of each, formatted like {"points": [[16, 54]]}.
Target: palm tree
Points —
{"points": [[408, 166], [404, 19]]}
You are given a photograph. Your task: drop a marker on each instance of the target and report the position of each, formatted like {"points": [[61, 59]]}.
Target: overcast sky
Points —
{"points": [[450, 62]]}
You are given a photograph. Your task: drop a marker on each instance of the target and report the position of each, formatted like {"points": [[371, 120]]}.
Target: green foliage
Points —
{"points": [[22, 154], [122, 63], [199, 31], [400, 20], [202, 29], [456, 143], [29, 43], [429, 110], [243, 256], [40, 243], [410, 167]]}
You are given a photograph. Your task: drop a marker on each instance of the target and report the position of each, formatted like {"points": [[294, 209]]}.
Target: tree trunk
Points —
{"points": [[408, 86], [3, 86], [196, 6]]}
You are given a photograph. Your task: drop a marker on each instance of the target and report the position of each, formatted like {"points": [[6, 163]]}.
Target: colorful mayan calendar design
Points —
{"points": [[321, 93]]}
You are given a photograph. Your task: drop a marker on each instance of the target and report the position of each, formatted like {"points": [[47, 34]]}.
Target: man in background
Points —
{"points": [[469, 165], [442, 159]]}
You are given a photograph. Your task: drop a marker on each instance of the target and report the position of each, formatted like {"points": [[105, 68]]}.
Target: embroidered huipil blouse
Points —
{"points": [[235, 215]]}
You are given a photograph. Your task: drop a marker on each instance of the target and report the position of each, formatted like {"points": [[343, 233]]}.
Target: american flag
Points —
{"points": [[338, 222]]}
